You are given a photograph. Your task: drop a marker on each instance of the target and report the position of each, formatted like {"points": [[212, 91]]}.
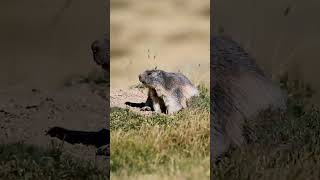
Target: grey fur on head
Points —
{"points": [[239, 91]]}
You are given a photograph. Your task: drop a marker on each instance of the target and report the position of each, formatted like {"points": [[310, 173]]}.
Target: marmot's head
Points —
{"points": [[100, 52], [152, 78]]}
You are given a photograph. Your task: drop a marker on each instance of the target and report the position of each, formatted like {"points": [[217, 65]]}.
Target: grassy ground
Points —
{"points": [[22, 161], [281, 146], [159, 146]]}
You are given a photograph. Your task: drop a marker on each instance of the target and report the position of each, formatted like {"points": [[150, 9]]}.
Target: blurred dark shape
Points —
{"points": [[97, 139], [59, 14], [101, 53], [287, 11], [239, 90], [221, 30]]}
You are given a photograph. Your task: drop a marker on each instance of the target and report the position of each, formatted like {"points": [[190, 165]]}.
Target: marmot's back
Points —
{"points": [[240, 90], [178, 80], [168, 81]]}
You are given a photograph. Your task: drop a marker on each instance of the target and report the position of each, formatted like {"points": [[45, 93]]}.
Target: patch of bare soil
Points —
{"points": [[119, 96], [25, 115]]}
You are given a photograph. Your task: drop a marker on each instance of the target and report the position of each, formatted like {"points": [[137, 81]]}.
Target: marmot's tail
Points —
{"points": [[97, 139]]}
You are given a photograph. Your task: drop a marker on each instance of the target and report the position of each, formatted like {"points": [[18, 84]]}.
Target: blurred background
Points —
{"points": [[172, 35], [45, 73], [43, 43], [281, 35]]}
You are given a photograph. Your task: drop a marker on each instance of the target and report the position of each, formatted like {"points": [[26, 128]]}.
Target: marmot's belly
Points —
{"points": [[172, 104]]}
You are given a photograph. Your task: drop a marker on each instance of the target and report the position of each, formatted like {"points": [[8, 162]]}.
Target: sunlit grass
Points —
{"points": [[160, 146]]}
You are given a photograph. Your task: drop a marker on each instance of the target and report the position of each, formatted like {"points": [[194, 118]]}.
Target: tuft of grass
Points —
{"points": [[23, 161], [281, 145], [202, 101], [160, 146]]}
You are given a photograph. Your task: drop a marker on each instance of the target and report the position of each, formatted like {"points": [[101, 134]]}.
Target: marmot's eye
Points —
{"points": [[149, 73]]}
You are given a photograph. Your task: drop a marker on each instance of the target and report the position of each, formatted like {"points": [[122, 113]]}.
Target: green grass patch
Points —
{"points": [[202, 101]]}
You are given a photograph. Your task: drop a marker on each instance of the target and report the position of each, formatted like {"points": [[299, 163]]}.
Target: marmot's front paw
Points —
{"points": [[146, 108]]}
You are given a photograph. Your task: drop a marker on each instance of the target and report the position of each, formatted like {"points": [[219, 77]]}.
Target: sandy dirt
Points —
{"points": [[27, 114], [119, 96]]}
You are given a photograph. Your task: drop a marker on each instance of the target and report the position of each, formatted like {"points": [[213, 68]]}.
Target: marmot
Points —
{"points": [[167, 92], [239, 91]]}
